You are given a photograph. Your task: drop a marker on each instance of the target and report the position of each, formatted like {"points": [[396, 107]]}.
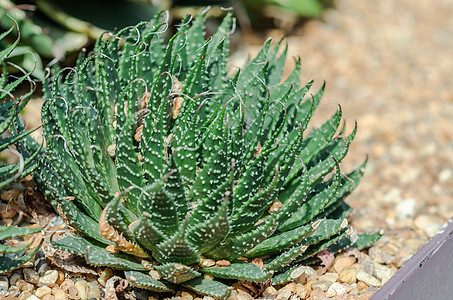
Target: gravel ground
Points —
{"points": [[389, 64]]}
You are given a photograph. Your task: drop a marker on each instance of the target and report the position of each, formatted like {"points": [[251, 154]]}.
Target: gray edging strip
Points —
{"points": [[428, 274]]}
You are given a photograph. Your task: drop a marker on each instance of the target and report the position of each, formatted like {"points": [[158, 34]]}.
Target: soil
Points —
{"points": [[390, 66]]}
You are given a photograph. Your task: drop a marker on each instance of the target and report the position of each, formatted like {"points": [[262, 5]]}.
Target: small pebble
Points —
{"points": [[208, 276], [406, 209], [8, 222], [309, 271], [7, 195], [343, 262], [432, 229], [81, 287], [361, 285], [59, 293], [7, 211], [258, 262], [31, 276], [49, 278], [223, 263], [27, 296], [244, 296], [414, 243], [25, 286], [317, 293], [390, 249], [68, 287], [367, 267], [284, 293], [207, 262], [323, 285], [348, 275], [354, 290], [13, 291], [368, 279], [382, 272], [40, 263], [186, 296], [300, 290], [4, 283], [275, 206], [403, 260], [106, 274], [60, 278], [330, 277], [270, 291], [15, 276], [336, 289], [42, 291], [379, 256], [232, 296], [154, 274], [93, 290]]}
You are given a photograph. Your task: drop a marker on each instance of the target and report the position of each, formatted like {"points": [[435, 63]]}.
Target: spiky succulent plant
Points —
{"points": [[10, 257], [10, 106], [155, 154]]}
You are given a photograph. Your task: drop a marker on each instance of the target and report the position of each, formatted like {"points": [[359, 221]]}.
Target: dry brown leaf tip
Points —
{"points": [[107, 232], [177, 103]]}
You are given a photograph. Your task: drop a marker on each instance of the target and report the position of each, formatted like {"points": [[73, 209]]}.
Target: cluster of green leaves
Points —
{"points": [[56, 30], [10, 106], [154, 153], [10, 257], [305, 8]]}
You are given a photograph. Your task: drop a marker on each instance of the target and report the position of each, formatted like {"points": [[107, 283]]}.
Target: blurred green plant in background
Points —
{"points": [[52, 30]]}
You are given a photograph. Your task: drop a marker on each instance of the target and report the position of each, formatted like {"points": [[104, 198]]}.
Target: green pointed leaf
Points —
{"points": [[8, 232], [176, 273], [237, 245], [97, 256], [251, 211], [143, 281], [320, 137], [213, 174], [11, 170], [160, 207], [7, 250], [204, 209], [29, 169], [366, 240], [251, 180], [205, 236], [326, 229], [152, 144], [324, 244], [8, 263], [115, 215], [208, 287], [314, 205], [146, 233], [280, 241], [239, 271], [129, 171], [176, 249]]}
